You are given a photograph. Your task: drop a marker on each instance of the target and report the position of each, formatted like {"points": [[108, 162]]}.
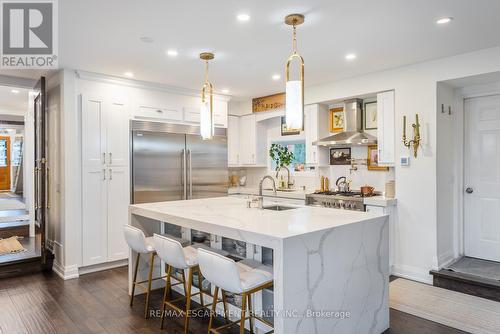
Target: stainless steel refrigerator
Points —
{"points": [[171, 162]]}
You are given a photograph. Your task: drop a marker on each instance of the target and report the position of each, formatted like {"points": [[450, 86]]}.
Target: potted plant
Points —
{"points": [[281, 155]]}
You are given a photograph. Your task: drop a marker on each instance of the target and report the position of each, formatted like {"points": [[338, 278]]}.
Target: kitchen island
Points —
{"points": [[331, 267]]}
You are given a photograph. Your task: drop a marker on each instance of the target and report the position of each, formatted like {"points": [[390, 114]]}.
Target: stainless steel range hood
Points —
{"points": [[353, 129]]}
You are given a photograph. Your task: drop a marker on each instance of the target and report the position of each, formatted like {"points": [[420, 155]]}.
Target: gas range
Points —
{"points": [[339, 200]]}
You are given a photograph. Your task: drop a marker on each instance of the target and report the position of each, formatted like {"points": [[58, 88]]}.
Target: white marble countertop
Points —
{"points": [[213, 215], [380, 201]]}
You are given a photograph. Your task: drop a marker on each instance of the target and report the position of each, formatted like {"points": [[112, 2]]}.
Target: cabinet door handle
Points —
{"points": [[110, 157], [103, 158], [104, 174], [159, 111], [110, 174]]}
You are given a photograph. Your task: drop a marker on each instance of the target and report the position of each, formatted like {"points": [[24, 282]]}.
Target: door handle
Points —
{"points": [[48, 187], [190, 175], [469, 190], [103, 158], [183, 174], [104, 174], [110, 157], [110, 174]]}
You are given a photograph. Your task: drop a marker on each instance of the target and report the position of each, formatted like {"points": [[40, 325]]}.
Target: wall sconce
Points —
{"points": [[415, 142]]}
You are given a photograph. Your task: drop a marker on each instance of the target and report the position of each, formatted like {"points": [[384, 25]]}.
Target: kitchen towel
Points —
{"points": [[11, 245]]}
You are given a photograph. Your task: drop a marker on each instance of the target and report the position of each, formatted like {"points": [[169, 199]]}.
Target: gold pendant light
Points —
{"points": [[294, 108], [207, 111]]}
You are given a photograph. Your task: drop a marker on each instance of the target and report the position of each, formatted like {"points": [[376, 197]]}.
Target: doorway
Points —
{"points": [[482, 178]]}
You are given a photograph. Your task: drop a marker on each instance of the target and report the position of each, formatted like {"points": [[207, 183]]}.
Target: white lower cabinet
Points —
{"points": [[105, 200], [118, 199], [94, 212]]}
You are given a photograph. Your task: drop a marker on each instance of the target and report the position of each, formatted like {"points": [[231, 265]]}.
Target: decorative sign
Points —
{"points": [[268, 103]]}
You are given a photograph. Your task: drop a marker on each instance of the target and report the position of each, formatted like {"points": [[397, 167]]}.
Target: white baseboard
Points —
{"points": [[68, 272], [102, 266], [412, 273]]}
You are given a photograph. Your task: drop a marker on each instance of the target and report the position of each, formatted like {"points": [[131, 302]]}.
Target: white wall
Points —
{"points": [[416, 92], [447, 143]]}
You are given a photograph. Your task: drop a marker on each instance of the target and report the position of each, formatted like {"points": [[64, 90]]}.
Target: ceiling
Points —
{"points": [[13, 103], [104, 36]]}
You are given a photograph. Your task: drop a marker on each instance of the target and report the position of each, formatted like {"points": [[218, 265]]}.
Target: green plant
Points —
{"points": [[281, 155]]}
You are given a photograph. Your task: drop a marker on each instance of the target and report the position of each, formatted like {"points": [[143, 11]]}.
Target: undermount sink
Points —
{"points": [[277, 207]]}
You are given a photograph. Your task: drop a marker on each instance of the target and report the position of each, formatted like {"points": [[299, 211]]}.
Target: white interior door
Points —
{"points": [[482, 177]]}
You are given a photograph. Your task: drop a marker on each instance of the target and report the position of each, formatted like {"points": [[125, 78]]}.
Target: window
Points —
{"points": [[299, 152]]}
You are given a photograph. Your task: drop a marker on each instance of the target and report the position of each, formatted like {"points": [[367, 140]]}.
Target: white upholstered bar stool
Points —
{"points": [[138, 242], [182, 258], [243, 278]]}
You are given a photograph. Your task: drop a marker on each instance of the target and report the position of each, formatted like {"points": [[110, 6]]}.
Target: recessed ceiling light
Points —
{"points": [[225, 91], [276, 76], [243, 17], [15, 91], [350, 56], [444, 20], [128, 74], [172, 53], [146, 39]]}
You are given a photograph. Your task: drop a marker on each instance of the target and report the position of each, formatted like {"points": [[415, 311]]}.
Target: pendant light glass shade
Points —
{"points": [[206, 107], [294, 102], [294, 105], [206, 116]]}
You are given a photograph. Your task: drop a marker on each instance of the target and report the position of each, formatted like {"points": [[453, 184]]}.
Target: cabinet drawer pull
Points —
{"points": [[159, 111]]}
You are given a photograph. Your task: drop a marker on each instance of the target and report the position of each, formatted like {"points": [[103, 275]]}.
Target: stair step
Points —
{"points": [[467, 283], [14, 228]]}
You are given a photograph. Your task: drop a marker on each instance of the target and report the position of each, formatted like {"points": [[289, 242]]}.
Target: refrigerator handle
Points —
{"points": [[183, 176], [190, 178]]}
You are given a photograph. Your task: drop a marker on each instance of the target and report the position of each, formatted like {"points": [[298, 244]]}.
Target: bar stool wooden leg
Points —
{"points": [[243, 311], [167, 291], [188, 299], [250, 312], [214, 305], [135, 279], [150, 278], [224, 303], [200, 286]]}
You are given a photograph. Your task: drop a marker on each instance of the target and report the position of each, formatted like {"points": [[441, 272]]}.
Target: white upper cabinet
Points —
{"points": [[385, 129], [93, 131], [248, 140], [117, 134], [192, 114], [315, 128], [252, 141], [233, 141]]}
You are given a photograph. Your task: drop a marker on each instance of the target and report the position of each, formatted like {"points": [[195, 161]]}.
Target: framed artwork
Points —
{"points": [[370, 116], [372, 161], [284, 129], [337, 119], [340, 156]]}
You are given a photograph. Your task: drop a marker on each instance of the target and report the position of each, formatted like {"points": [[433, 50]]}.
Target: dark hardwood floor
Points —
{"points": [[98, 303]]}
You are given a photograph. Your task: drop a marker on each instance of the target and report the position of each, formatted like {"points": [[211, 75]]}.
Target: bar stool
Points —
{"points": [[242, 278], [138, 242], [182, 258]]}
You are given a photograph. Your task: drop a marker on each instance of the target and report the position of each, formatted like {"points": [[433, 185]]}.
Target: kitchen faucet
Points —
{"points": [[287, 175], [261, 198]]}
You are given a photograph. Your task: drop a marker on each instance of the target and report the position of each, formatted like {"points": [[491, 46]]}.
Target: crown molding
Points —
{"points": [[84, 75]]}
